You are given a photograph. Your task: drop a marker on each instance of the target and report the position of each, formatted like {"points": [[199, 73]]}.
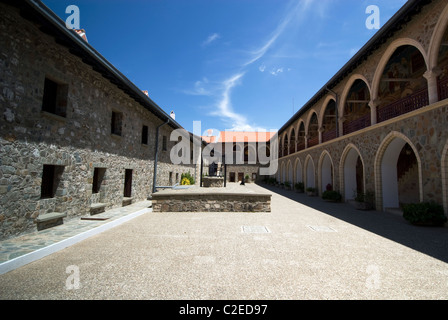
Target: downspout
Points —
{"points": [[337, 110], [157, 155]]}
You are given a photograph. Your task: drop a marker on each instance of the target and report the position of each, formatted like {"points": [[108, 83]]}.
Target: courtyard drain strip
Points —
{"points": [[322, 229], [255, 229]]}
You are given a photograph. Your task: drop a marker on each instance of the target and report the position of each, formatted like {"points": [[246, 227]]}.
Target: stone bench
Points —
{"points": [[96, 208], [48, 220], [126, 201]]}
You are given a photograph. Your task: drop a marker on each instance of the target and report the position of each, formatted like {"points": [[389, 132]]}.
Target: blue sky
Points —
{"points": [[231, 64]]}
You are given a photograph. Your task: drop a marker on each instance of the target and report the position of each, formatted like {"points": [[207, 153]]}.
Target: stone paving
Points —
{"points": [[304, 249], [30, 242]]}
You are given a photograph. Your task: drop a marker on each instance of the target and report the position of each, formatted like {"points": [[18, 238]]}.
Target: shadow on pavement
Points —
{"points": [[432, 241]]}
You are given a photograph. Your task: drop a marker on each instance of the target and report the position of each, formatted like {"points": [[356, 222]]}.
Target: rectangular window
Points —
{"points": [[128, 183], [145, 135], [164, 142], [170, 179], [51, 176], [98, 176], [116, 123], [55, 98]]}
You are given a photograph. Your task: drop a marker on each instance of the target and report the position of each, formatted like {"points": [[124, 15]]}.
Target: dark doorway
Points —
{"points": [[232, 176], [128, 183], [240, 176]]}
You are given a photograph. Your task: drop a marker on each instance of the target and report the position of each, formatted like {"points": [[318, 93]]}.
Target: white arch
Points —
{"points": [[289, 173], [323, 108], [308, 121], [436, 39], [347, 169], [309, 172], [347, 88], [386, 57], [298, 171], [325, 171], [386, 170]]}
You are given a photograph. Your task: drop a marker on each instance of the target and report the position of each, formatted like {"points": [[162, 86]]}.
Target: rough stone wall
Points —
{"points": [[212, 203], [80, 141]]}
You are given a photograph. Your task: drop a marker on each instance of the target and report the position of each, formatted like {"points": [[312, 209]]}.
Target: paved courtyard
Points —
{"points": [[304, 249]]}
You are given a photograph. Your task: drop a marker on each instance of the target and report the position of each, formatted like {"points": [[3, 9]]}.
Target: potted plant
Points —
{"points": [[300, 187], [247, 179], [364, 201], [311, 191], [282, 185], [332, 196], [424, 214], [287, 185]]}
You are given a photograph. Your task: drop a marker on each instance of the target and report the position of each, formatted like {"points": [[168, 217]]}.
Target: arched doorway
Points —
{"points": [[309, 169], [289, 173], [445, 178], [299, 176], [399, 167], [326, 173], [402, 87], [353, 174]]}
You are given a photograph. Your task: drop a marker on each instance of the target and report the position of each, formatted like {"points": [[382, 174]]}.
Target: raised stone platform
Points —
{"points": [[233, 198]]}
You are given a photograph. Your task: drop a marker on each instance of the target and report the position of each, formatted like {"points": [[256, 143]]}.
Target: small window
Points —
{"points": [[51, 177], [170, 179], [164, 142], [116, 123], [145, 135], [55, 98], [98, 176]]}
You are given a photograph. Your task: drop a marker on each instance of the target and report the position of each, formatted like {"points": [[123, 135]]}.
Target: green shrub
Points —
{"points": [[187, 176], [424, 213], [332, 195], [299, 186]]}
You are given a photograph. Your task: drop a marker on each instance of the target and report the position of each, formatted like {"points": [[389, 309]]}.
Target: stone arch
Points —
{"points": [[444, 167], [386, 176], [310, 180], [348, 87], [328, 119], [301, 135], [282, 173], [313, 129], [355, 112], [325, 171], [386, 57], [289, 173], [436, 39], [351, 173], [298, 172]]}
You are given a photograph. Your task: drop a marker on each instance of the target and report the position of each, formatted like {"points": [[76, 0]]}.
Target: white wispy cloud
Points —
{"points": [[210, 39], [223, 107], [200, 88], [293, 13]]}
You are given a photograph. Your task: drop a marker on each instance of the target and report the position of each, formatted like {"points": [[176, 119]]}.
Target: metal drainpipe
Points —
{"points": [[157, 156], [337, 110]]}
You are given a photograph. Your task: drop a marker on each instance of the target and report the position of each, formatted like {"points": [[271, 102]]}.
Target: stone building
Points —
{"points": [[244, 152], [380, 124], [76, 134]]}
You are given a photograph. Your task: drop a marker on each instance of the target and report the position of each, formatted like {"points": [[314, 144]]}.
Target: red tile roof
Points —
{"points": [[239, 136]]}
